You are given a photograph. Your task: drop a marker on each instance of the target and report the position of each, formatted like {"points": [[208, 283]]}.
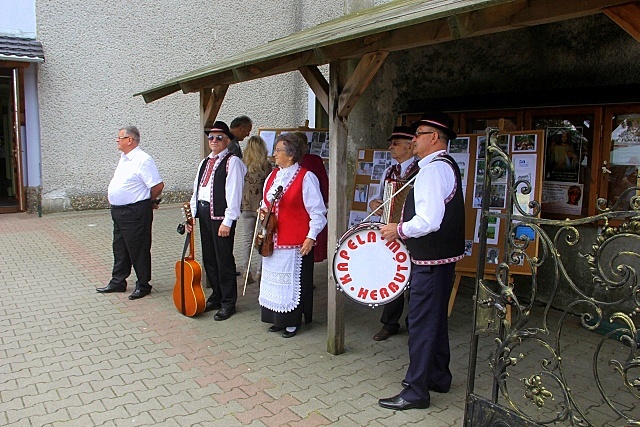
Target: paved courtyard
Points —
{"points": [[73, 357]]}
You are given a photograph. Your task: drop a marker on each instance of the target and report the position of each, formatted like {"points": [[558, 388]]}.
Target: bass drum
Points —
{"points": [[369, 269]]}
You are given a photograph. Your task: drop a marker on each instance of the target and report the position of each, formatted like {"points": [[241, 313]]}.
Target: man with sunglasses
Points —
{"points": [[216, 199], [405, 167], [432, 227]]}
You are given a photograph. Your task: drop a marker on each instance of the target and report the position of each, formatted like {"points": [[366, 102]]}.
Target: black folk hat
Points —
{"points": [[219, 127], [438, 120], [402, 132]]}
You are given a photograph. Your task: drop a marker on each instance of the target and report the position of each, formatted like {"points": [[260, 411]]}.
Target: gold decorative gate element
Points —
{"points": [[570, 355]]}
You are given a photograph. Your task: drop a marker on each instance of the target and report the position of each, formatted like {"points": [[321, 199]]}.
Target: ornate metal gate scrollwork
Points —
{"points": [[570, 354]]}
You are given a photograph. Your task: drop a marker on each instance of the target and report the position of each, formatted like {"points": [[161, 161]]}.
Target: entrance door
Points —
{"points": [[10, 158]]}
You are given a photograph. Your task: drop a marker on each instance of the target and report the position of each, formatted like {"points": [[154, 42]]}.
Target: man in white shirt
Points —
{"points": [[405, 167], [217, 195], [432, 227], [133, 194]]}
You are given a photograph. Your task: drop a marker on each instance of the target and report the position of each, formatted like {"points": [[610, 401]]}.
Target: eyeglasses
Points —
{"points": [[423, 133], [395, 143], [216, 137], [278, 150], [122, 137]]}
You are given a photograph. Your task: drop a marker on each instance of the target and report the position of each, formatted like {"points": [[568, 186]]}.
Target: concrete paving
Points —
{"points": [[73, 357]]}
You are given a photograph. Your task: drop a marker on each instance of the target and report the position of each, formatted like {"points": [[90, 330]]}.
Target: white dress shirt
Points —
{"points": [[135, 174], [311, 197], [233, 186], [434, 184]]}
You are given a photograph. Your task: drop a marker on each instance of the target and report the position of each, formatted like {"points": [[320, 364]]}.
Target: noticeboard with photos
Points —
{"points": [[525, 149]]}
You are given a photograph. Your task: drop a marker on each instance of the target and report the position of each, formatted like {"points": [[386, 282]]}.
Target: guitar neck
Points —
{"points": [[192, 254]]}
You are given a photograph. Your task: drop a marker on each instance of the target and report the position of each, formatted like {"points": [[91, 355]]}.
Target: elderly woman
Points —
{"points": [[286, 287]]}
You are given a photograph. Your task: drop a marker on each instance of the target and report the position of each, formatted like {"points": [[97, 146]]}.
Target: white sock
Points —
{"points": [[291, 328]]}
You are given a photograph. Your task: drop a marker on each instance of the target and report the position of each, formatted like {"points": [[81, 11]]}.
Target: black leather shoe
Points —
{"points": [[287, 334], [224, 313], [399, 404], [275, 328], [137, 294], [212, 306], [383, 334], [111, 288]]}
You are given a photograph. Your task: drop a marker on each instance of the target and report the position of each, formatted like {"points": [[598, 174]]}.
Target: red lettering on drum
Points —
{"points": [[351, 245], [401, 256], [374, 295], [343, 266], [363, 293], [362, 242], [371, 236], [394, 288], [399, 278], [393, 246], [401, 267], [384, 293], [344, 254], [346, 279]]}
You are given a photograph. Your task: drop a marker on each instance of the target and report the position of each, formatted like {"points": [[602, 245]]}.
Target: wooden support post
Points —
{"points": [[317, 83], [338, 213], [627, 16], [363, 74], [210, 103]]}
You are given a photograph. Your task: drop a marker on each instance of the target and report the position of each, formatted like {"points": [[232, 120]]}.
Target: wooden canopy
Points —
{"points": [[368, 36]]}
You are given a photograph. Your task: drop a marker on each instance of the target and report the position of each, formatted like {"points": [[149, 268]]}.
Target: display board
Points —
{"points": [[526, 151], [318, 139]]}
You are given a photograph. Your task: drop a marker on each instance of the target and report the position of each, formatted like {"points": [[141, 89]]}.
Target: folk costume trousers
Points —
{"points": [[429, 353], [217, 256], [132, 243]]}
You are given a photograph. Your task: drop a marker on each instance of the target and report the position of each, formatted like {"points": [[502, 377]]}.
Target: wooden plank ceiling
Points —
{"points": [[397, 25]]}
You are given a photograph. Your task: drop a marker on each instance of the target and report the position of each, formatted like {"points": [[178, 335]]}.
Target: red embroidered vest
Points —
{"points": [[293, 219]]}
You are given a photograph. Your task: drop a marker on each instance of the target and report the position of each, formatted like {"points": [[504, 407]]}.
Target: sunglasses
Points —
{"points": [[216, 137]]}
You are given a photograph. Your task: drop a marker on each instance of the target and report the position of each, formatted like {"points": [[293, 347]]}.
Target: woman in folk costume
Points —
{"points": [[286, 286]]}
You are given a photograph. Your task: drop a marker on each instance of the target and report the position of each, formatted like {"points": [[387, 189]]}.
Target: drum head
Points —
{"points": [[369, 269]]}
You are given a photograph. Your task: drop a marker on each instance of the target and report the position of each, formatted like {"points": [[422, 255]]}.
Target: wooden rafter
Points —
{"points": [[359, 81], [210, 103], [317, 83], [626, 16], [491, 19]]}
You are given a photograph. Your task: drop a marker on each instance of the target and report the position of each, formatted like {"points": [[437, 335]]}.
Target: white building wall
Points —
{"points": [[99, 53]]}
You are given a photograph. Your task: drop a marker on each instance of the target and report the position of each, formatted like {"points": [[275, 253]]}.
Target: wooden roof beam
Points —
{"points": [[627, 16], [359, 81], [317, 83]]}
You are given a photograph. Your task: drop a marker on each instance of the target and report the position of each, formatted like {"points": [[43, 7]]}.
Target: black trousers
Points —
{"points": [[217, 256], [429, 353], [132, 243]]}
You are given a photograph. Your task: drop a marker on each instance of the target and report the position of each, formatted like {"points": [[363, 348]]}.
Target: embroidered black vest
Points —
{"points": [[446, 244]]}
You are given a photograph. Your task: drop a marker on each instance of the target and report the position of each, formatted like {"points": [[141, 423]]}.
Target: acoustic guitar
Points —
{"points": [[188, 295]]}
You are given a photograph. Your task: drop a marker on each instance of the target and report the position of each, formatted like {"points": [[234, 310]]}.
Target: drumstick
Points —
{"points": [[389, 199], [246, 273]]}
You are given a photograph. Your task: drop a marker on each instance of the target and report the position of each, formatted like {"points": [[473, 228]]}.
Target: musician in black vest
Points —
{"points": [[217, 195], [403, 170], [432, 227]]}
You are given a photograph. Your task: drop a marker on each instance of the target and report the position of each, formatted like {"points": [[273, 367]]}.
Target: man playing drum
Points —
{"points": [[432, 227], [401, 150]]}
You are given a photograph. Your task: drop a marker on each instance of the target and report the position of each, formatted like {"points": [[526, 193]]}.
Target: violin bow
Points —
{"points": [[276, 196]]}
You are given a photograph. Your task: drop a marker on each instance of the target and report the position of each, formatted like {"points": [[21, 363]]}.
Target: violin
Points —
{"points": [[188, 295], [264, 239]]}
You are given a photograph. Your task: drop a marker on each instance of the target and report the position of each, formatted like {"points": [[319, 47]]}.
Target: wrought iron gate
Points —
{"points": [[574, 362]]}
